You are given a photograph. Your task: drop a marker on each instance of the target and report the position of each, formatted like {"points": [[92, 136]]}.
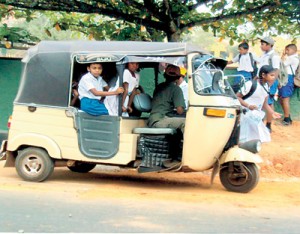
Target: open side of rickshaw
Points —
{"points": [[46, 131]]}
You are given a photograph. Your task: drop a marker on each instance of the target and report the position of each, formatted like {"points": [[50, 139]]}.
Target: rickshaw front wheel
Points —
{"points": [[82, 167], [34, 164], [239, 177]]}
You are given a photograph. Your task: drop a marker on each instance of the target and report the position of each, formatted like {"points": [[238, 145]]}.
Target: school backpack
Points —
{"points": [[283, 75], [252, 90], [253, 64]]}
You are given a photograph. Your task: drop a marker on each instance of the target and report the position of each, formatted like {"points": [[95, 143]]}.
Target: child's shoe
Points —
{"points": [[287, 121]]}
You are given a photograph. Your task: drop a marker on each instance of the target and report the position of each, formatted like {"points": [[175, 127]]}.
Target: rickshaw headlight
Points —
{"points": [[258, 146], [253, 146]]}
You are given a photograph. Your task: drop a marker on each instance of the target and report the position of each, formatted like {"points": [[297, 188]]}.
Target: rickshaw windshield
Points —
{"points": [[208, 78]]}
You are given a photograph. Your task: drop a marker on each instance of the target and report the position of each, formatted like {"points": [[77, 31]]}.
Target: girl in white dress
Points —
{"points": [[131, 81], [252, 126]]}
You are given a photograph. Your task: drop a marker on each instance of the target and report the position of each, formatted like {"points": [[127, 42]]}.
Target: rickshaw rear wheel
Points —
{"points": [[240, 178], [34, 164], [82, 167]]}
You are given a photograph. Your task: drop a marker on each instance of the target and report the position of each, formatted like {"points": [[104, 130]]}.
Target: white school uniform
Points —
{"points": [[264, 59], [133, 82], [112, 102], [88, 82], [252, 126], [291, 62], [245, 62]]}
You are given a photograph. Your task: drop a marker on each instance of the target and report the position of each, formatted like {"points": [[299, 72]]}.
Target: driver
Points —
{"points": [[168, 96]]}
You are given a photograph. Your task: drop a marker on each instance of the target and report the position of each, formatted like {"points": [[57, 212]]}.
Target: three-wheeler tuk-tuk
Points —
{"points": [[46, 131]]}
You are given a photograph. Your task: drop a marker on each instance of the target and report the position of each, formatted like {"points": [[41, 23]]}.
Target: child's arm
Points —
{"points": [[244, 103], [75, 97], [131, 97], [106, 88], [107, 93], [125, 93], [234, 60], [269, 110]]}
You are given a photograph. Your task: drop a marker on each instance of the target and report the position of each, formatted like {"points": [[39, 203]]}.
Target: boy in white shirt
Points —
{"points": [[246, 62], [92, 88], [290, 61]]}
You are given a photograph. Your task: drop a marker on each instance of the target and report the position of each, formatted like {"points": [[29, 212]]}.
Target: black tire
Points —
{"points": [[34, 164], [82, 167], [238, 181]]}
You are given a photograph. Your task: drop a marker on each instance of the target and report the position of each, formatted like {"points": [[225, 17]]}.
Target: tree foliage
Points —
{"points": [[156, 19]]}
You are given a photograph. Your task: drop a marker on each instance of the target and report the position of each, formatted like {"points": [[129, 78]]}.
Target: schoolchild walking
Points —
{"points": [[269, 57], [290, 61], [247, 62], [92, 88], [253, 96]]}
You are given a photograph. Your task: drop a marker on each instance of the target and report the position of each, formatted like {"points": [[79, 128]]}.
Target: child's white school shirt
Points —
{"points": [[259, 95], [133, 81], [88, 82], [291, 61], [264, 60], [245, 62]]}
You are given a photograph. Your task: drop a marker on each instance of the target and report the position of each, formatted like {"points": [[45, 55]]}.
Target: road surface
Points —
{"points": [[122, 201]]}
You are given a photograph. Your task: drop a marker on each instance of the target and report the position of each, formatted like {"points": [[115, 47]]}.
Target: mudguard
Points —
{"points": [[35, 140], [234, 154], [241, 155]]}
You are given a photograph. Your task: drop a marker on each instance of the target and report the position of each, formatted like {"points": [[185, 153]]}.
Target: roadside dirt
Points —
{"points": [[277, 191], [282, 155]]}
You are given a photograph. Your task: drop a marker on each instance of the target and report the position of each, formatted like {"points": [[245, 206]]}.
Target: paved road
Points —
{"points": [[116, 202]]}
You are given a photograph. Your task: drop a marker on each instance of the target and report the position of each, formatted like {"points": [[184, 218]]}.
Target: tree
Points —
{"points": [[171, 18]]}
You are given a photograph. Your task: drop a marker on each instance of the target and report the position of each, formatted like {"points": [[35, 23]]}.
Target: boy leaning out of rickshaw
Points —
{"points": [[92, 88]]}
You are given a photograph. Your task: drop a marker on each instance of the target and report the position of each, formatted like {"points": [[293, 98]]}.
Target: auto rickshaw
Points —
{"points": [[45, 131]]}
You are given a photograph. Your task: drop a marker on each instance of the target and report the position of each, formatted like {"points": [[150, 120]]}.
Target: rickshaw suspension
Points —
{"points": [[238, 173]]}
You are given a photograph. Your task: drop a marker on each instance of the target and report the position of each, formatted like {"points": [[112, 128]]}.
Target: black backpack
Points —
{"points": [[251, 91]]}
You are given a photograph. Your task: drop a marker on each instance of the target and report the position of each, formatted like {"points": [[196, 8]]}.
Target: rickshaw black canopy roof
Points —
{"points": [[47, 66]]}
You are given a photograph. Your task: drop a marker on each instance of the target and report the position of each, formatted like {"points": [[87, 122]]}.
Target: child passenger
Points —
{"points": [[92, 88], [131, 80], [252, 126], [290, 61]]}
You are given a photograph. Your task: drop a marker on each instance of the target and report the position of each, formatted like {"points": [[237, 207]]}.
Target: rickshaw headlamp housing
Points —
{"points": [[253, 146]]}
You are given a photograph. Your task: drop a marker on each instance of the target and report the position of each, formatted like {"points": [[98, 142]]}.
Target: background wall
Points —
{"points": [[10, 71]]}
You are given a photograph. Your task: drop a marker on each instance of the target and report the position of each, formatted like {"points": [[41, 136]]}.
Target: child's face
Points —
{"points": [[265, 46], [242, 50], [95, 69], [133, 66], [289, 51], [269, 78]]}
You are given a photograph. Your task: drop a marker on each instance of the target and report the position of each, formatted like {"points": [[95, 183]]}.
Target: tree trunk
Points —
{"points": [[174, 37]]}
